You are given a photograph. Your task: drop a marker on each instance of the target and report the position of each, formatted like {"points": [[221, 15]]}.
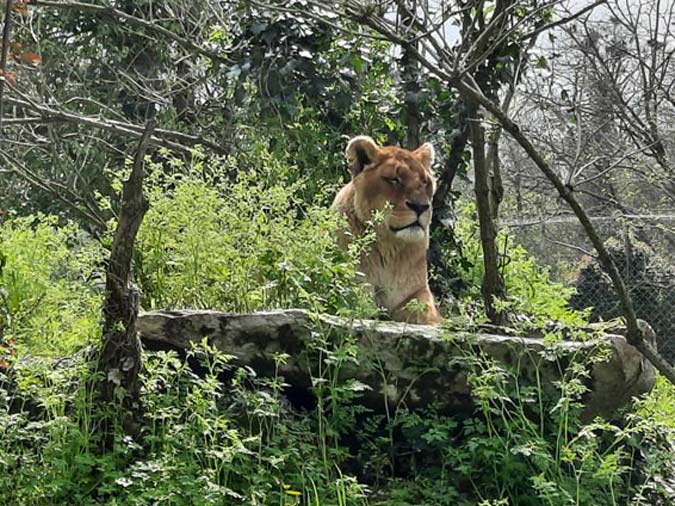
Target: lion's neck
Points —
{"points": [[395, 270]]}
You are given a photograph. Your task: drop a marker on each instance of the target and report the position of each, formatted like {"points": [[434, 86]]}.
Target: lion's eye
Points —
{"points": [[393, 180]]}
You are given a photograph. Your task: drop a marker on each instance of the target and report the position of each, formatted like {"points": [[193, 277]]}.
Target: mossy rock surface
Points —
{"points": [[396, 363]]}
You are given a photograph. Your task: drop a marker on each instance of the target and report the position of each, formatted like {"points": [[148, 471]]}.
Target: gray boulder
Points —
{"points": [[396, 363]]}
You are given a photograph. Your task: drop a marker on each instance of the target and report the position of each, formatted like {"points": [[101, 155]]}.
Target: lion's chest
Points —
{"points": [[395, 273]]}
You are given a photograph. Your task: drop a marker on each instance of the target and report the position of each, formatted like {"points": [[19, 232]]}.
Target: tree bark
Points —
{"points": [[120, 357], [6, 30], [409, 73], [493, 284], [445, 252]]}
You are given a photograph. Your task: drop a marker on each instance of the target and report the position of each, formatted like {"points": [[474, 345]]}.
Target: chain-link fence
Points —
{"points": [[647, 267]]}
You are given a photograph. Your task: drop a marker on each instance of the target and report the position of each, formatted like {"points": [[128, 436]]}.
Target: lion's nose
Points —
{"points": [[417, 207]]}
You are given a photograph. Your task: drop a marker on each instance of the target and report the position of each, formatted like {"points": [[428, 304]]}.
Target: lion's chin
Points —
{"points": [[411, 234]]}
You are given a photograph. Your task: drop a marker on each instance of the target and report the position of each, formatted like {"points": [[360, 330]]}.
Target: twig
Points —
{"points": [[116, 14], [60, 192], [3, 57], [572, 247], [168, 138], [563, 21]]}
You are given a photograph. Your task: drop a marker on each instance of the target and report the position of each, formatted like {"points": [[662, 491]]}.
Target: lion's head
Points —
{"points": [[396, 180]]}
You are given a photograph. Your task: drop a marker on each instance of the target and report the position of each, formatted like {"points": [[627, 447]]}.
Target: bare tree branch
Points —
{"points": [[6, 30], [116, 14], [176, 141], [635, 333], [563, 21]]}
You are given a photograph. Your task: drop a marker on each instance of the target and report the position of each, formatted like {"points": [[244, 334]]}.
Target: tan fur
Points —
{"points": [[396, 265]]}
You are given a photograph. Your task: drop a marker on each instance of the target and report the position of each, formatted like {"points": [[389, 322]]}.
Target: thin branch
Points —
{"points": [[167, 138], [611, 167], [60, 192], [572, 246], [6, 30], [563, 21], [118, 15]]}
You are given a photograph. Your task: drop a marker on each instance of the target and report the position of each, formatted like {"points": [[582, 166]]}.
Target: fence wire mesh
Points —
{"points": [[644, 256]]}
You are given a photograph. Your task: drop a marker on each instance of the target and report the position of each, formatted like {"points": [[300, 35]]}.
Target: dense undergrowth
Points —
{"points": [[248, 243]]}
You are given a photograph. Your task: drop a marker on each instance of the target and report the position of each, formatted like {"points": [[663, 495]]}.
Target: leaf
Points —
{"points": [[28, 58], [20, 7], [9, 76]]}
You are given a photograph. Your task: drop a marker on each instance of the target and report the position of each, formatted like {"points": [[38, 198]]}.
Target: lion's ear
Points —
{"points": [[360, 152], [426, 154]]}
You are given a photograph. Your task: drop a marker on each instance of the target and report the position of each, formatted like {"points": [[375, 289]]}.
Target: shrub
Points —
{"points": [[243, 245], [206, 443], [529, 289], [49, 285]]}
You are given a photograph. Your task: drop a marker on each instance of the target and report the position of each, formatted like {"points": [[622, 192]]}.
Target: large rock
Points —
{"points": [[399, 363]]}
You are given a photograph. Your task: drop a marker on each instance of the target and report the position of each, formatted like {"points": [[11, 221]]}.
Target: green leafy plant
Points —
{"points": [[51, 284], [529, 289], [242, 246]]}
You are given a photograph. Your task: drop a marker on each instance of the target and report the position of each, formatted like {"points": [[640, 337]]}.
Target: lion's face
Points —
{"points": [[395, 180]]}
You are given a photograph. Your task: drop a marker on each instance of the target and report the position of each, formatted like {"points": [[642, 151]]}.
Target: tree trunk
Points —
{"points": [[493, 283], [445, 252], [409, 74], [120, 357], [6, 31]]}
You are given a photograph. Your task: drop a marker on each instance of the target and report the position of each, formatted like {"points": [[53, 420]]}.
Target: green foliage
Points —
{"points": [[529, 289], [247, 242], [243, 245], [48, 292], [205, 443]]}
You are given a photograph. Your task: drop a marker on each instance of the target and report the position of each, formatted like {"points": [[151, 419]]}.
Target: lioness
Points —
{"points": [[396, 265]]}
